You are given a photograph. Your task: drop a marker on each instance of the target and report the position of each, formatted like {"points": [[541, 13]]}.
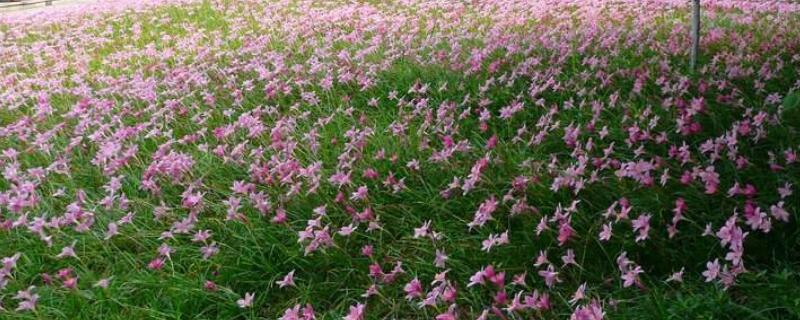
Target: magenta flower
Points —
{"points": [[156, 264], [413, 289]]}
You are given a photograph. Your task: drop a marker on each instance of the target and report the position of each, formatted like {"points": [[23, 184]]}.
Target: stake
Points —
{"points": [[695, 33]]}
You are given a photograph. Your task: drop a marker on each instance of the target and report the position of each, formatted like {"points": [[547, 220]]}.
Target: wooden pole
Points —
{"points": [[695, 33]]}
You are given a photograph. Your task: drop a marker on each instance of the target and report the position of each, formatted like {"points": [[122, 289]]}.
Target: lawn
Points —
{"points": [[410, 159]]}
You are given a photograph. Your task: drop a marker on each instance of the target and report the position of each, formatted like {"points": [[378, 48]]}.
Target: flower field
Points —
{"points": [[409, 159]]}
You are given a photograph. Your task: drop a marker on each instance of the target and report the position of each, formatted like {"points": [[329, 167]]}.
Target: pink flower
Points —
{"points": [[209, 250], [508, 111], [413, 289], [422, 231], [340, 179], [288, 280], [785, 191], [27, 298], [64, 273], [477, 278], [440, 259], [642, 225], [550, 276], [449, 315], [565, 232], [347, 230], [778, 212], [712, 270], [165, 250], [592, 311], [710, 178], [70, 283], [367, 250], [631, 276], [356, 312], [484, 213], [156, 264], [569, 258], [495, 240], [201, 236], [496, 278], [360, 194], [492, 142], [541, 259], [371, 291], [112, 230], [516, 304], [247, 301], [296, 313], [102, 283], [280, 216], [68, 251], [606, 233], [210, 286], [676, 276], [630, 271]]}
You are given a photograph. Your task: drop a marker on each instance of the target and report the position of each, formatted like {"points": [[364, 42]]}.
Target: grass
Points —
{"points": [[255, 254]]}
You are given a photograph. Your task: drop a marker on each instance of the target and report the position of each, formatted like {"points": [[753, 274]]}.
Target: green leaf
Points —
{"points": [[791, 101]]}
